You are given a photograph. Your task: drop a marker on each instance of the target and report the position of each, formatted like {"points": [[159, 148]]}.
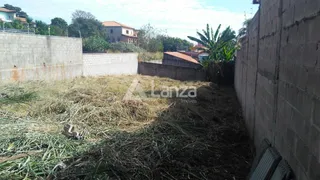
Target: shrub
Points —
{"points": [[148, 56], [125, 47], [95, 44]]}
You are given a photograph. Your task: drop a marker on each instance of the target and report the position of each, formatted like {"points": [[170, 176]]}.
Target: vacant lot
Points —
{"points": [[152, 138]]}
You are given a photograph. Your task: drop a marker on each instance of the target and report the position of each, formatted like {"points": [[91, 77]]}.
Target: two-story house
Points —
{"points": [[120, 32], [7, 15]]}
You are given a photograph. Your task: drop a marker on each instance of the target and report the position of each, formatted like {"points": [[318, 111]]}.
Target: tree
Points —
{"points": [[56, 31], [59, 27], [95, 44], [85, 26], [155, 45], [16, 24], [59, 22], [83, 15], [219, 46], [18, 10], [42, 28], [29, 20], [228, 35], [146, 37], [175, 44]]}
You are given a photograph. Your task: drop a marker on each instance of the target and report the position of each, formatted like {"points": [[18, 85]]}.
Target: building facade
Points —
{"points": [[7, 15], [118, 32]]}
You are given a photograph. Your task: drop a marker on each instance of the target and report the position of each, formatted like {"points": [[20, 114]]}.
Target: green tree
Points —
{"points": [[42, 28], [86, 26], [59, 22], [18, 10], [175, 44], [16, 24], [155, 45], [148, 38], [59, 27], [56, 31], [29, 19], [228, 35], [83, 15], [95, 44], [216, 44]]}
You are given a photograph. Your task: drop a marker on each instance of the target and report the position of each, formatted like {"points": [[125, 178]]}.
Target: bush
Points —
{"points": [[221, 73], [125, 47], [148, 56], [155, 45], [95, 44]]}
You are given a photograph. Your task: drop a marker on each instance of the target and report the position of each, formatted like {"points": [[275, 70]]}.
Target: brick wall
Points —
{"points": [[277, 81]]}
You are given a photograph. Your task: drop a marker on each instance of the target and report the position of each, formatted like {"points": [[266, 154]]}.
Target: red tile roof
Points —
{"points": [[6, 10], [182, 56], [115, 24]]}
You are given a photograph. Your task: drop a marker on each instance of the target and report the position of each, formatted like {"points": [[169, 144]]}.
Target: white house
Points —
{"points": [[7, 15]]}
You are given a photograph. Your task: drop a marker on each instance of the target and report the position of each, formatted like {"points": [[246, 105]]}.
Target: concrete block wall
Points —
{"points": [[277, 81], [100, 64], [173, 72], [31, 57]]}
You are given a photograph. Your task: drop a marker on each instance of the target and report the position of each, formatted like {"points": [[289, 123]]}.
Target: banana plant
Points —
{"points": [[214, 42], [228, 53]]}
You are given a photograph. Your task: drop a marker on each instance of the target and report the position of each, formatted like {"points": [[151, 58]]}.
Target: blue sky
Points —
{"points": [[179, 18]]}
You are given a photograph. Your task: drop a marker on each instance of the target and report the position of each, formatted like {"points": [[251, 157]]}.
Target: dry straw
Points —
{"points": [[202, 138]]}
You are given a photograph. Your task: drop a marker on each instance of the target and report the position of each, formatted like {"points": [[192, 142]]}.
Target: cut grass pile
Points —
{"points": [[155, 138]]}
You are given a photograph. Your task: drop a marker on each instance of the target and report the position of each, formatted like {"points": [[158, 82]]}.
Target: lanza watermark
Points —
{"points": [[182, 92]]}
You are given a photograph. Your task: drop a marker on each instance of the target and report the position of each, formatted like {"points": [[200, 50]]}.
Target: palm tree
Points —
{"points": [[214, 42]]}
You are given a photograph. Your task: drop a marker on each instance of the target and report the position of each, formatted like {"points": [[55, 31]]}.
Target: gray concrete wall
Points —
{"points": [[173, 72], [277, 81], [31, 57], [100, 64]]}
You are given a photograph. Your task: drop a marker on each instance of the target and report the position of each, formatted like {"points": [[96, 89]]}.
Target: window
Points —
{"points": [[118, 38], [111, 31], [127, 31]]}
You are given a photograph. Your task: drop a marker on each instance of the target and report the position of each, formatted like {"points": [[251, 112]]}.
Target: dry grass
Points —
{"points": [[155, 138]]}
